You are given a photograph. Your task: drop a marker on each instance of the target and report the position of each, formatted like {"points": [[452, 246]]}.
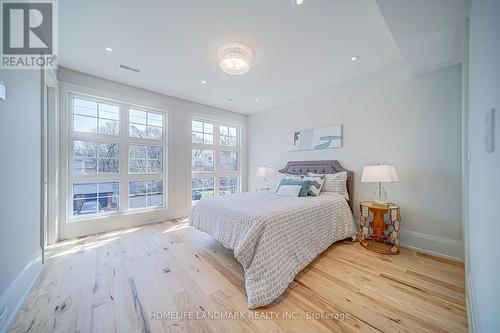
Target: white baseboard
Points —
{"points": [[14, 296], [471, 305], [431, 244]]}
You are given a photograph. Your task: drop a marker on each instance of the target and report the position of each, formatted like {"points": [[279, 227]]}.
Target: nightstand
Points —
{"points": [[380, 227]]}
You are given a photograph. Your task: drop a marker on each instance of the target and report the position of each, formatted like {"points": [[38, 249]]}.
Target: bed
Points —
{"points": [[275, 237]]}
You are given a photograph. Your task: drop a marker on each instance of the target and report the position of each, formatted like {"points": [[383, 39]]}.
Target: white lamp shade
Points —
{"points": [[264, 171], [379, 173]]}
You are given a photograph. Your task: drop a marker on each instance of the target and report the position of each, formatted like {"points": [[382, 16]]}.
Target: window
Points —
{"points": [[203, 132], [143, 194], [145, 159], [95, 197], [95, 157], [145, 125], [113, 171], [202, 188], [94, 117], [215, 165]]}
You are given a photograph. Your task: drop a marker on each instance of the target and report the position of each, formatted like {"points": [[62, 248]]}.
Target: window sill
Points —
{"points": [[136, 211]]}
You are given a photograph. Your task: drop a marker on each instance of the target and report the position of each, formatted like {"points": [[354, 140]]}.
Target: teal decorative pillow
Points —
{"points": [[304, 183]]}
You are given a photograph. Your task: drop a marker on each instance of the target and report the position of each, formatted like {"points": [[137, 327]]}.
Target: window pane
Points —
{"points": [[137, 194], [155, 193], [145, 193], [202, 160], [84, 124], [155, 133], [208, 139], [84, 107], [197, 126], [197, 138], [137, 165], [93, 117], [228, 185], [137, 117], [146, 125], [155, 119], [202, 188], [108, 111], [138, 131], [208, 128], [107, 150], [227, 136], [95, 157], [95, 197], [107, 126], [228, 161], [145, 159], [84, 157], [106, 165]]}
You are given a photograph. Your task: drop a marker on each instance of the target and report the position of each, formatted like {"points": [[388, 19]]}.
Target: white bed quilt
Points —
{"points": [[273, 237]]}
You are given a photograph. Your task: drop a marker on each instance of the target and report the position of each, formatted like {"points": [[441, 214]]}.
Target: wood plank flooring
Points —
{"points": [[168, 277]]}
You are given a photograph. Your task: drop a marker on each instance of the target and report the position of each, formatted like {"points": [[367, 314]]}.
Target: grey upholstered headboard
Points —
{"points": [[328, 166]]}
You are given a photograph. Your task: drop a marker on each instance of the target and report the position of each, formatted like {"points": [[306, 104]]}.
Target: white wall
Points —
{"points": [[181, 112], [388, 117], [20, 168], [484, 176]]}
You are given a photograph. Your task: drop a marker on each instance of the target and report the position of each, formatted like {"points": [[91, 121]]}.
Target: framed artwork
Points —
{"points": [[316, 138]]}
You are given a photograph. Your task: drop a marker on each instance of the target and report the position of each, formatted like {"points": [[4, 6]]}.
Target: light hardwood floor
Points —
{"points": [[118, 282]]}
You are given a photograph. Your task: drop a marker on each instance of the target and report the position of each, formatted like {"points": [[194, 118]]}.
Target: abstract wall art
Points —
{"points": [[316, 138]]}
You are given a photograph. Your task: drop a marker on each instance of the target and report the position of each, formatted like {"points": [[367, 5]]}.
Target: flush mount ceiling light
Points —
{"points": [[353, 58], [108, 49], [235, 58], [299, 2]]}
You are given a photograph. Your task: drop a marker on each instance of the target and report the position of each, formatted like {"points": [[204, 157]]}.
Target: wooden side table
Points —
{"points": [[376, 234]]}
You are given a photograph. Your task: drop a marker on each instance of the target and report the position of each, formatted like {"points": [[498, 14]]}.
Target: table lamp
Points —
{"points": [[380, 173], [265, 172]]}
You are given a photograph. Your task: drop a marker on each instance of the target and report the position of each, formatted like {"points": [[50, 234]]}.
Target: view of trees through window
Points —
{"points": [[98, 180], [215, 165]]}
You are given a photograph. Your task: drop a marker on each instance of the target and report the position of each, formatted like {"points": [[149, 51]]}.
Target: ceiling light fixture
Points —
{"points": [[235, 58], [257, 100], [353, 58], [299, 2], [108, 49], [203, 82]]}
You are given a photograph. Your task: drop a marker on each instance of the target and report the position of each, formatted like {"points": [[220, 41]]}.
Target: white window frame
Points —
{"points": [[75, 227], [217, 149]]}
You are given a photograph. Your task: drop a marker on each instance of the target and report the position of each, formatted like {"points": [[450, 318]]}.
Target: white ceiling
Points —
{"points": [[298, 49], [429, 33]]}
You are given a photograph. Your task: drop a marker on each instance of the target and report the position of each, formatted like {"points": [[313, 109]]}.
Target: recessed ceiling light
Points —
{"points": [[235, 58], [257, 100], [353, 58], [108, 49], [299, 2], [203, 82]]}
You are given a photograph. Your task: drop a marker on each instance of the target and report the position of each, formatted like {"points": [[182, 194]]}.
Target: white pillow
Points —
{"points": [[289, 190], [281, 176], [335, 182]]}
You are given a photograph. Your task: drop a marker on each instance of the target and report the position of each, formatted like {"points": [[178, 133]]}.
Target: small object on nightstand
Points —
{"points": [[375, 235], [380, 173], [264, 172]]}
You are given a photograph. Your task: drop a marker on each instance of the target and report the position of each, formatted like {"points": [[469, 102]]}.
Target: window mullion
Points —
{"points": [[123, 198]]}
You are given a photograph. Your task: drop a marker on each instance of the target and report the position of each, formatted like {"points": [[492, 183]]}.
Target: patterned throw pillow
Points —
{"points": [[334, 182], [304, 183], [289, 190], [281, 176], [316, 184]]}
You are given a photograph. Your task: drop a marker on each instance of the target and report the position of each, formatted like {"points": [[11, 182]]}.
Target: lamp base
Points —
{"points": [[380, 204]]}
